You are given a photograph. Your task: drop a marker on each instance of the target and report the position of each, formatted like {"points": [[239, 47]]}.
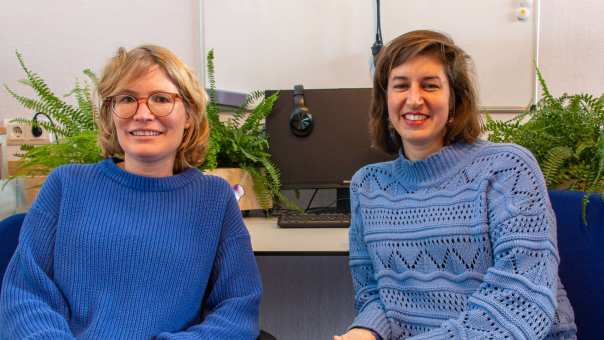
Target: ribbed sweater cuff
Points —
{"points": [[373, 318], [52, 335]]}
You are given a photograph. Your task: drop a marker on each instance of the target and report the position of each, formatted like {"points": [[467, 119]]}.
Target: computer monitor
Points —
{"points": [[338, 145]]}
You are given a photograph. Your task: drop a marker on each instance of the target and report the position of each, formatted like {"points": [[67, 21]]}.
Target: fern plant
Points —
{"points": [[242, 141], [566, 135], [73, 125]]}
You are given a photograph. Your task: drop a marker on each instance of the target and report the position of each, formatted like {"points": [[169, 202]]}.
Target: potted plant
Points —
{"points": [[73, 128], [240, 144], [566, 136], [72, 125]]}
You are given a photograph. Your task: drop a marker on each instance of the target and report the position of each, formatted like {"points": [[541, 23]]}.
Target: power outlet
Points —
{"points": [[19, 133]]}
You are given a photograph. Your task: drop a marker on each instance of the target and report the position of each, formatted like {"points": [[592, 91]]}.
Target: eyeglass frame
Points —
{"points": [[172, 95]]}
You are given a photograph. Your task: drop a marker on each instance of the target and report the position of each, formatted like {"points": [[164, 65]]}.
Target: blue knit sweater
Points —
{"points": [[106, 254], [461, 245]]}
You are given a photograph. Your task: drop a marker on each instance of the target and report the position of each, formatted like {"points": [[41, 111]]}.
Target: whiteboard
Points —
{"points": [[274, 44]]}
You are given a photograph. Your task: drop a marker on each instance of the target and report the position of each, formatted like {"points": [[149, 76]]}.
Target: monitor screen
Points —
{"points": [[338, 145]]}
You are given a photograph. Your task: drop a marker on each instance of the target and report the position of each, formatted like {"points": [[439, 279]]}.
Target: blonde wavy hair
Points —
{"points": [[127, 66]]}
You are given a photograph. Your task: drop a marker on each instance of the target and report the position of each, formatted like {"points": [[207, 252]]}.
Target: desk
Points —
{"points": [[269, 239], [307, 287]]}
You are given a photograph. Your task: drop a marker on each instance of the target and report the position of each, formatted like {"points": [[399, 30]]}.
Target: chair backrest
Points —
{"points": [[9, 238], [581, 250]]}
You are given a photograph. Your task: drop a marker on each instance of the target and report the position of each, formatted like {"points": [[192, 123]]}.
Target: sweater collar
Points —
{"points": [[144, 183], [447, 160]]}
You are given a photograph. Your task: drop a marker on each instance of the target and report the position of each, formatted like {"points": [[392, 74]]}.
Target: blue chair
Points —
{"points": [[581, 250], [9, 238]]}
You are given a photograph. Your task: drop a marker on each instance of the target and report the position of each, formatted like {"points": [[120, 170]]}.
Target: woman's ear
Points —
{"points": [[188, 122]]}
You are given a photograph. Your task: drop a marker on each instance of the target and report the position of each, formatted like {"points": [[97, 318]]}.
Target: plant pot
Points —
{"points": [[581, 258], [238, 176], [27, 188]]}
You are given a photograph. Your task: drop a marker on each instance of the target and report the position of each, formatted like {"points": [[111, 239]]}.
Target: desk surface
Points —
{"points": [[268, 238]]}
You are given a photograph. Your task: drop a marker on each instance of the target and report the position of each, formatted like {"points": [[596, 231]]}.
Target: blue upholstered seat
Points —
{"points": [[582, 259], [9, 238]]}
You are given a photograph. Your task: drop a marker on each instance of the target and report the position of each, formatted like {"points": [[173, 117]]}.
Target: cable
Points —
{"points": [[378, 43], [311, 199], [36, 130], [378, 34]]}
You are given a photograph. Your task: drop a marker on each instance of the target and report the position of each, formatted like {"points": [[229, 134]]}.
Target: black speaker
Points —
{"points": [[300, 120]]}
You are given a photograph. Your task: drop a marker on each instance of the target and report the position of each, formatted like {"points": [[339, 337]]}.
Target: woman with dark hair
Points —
{"points": [[456, 238], [140, 245]]}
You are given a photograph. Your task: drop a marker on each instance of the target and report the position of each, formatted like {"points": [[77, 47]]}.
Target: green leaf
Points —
{"points": [[73, 126], [79, 148], [565, 134], [553, 163]]}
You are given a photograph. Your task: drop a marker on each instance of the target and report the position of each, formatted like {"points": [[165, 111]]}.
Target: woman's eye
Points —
{"points": [[161, 98], [125, 99], [432, 86], [401, 86]]}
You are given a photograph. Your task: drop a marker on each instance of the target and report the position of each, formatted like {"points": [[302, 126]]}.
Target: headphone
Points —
{"points": [[36, 129], [300, 120]]}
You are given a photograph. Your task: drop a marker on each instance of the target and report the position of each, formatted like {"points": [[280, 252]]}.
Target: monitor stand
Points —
{"points": [[343, 200]]}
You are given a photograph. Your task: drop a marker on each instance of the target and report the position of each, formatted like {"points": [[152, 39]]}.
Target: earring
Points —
{"points": [[451, 118]]}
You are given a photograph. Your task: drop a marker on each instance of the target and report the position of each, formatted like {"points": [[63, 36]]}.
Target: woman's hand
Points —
{"points": [[356, 334]]}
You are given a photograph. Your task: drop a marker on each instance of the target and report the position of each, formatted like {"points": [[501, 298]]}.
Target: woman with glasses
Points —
{"points": [[456, 238], [140, 245]]}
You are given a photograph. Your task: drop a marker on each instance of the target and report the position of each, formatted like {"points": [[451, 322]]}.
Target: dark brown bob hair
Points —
{"points": [[466, 124]]}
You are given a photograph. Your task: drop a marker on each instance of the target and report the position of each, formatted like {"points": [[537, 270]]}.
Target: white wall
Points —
{"points": [[59, 39], [326, 44], [572, 45], [263, 44]]}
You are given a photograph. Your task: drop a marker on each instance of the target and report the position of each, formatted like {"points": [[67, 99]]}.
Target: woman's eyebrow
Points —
{"points": [[432, 78], [128, 91], [405, 78], [400, 78]]}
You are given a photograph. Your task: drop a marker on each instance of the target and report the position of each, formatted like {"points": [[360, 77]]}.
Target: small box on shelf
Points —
{"points": [[18, 134]]}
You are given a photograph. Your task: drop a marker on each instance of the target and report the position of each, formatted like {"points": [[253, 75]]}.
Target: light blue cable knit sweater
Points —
{"points": [[461, 245], [105, 254]]}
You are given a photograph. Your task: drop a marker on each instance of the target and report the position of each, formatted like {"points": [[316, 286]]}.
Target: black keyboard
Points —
{"points": [[309, 220]]}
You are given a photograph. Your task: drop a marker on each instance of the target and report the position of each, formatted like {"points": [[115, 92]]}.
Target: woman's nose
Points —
{"points": [[415, 97], [143, 112]]}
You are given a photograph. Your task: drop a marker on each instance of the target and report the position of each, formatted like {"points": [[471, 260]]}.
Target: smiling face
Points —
{"points": [[418, 98], [149, 142]]}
